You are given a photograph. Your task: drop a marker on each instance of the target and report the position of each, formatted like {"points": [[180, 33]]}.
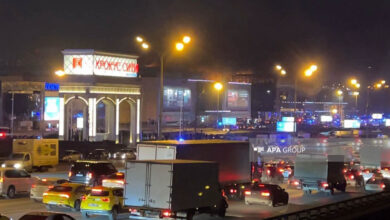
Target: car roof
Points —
{"points": [[92, 161]]}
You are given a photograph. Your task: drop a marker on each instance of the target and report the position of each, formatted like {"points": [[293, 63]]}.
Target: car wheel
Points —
{"points": [[76, 205], [84, 215], [11, 192]]}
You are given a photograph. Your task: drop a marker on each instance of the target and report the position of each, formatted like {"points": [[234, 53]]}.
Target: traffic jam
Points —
{"points": [[180, 172]]}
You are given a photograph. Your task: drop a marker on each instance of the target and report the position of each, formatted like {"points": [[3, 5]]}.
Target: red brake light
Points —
{"points": [[97, 190], [166, 213], [44, 180], [2, 134], [296, 183], [268, 172], [51, 187], [33, 186], [265, 193], [281, 170], [359, 173], [351, 177], [119, 174], [70, 174], [248, 193], [105, 199], [89, 175], [261, 185], [344, 170], [367, 171], [83, 198], [383, 186], [324, 185]]}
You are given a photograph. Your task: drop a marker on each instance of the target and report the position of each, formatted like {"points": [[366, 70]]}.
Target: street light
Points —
{"points": [[162, 54], [179, 46], [353, 81], [186, 39], [218, 86], [383, 81], [308, 73], [60, 73], [339, 92], [278, 67], [283, 72], [357, 85], [313, 68]]}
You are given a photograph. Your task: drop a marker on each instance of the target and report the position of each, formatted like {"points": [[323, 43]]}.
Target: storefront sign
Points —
{"points": [[99, 64]]}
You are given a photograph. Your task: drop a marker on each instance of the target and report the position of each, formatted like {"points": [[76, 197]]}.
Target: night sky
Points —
{"points": [[344, 38]]}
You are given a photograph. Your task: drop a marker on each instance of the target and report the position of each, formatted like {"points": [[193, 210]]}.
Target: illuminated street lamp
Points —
{"points": [[353, 81], [313, 68], [356, 94], [218, 86], [378, 85], [339, 92], [383, 81], [60, 73], [283, 72], [179, 47], [334, 111], [357, 85], [278, 67], [308, 73]]}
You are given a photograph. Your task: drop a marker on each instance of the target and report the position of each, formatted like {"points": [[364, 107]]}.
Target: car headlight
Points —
{"points": [[114, 156], [123, 156], [17, 165], [3, 165]]}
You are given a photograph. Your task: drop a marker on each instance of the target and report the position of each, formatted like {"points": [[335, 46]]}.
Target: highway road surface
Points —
{"points": [[15, 208]]}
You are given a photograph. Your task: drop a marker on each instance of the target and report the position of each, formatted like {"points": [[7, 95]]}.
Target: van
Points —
{"points": [[14, 181]]}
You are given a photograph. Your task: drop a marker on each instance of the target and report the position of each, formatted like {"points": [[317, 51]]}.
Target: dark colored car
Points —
{"points": [[98, 154], [91, 172], [236, 191], [124, 154], [268, 194], [46, 216]]}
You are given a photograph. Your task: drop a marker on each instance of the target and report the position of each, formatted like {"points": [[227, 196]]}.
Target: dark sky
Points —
{"points": [[343, 37]]}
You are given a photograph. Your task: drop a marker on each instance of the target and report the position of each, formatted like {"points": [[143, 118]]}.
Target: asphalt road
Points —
{"points": [[15, 208]]}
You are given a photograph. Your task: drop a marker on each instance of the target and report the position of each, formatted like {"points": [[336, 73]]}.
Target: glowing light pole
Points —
{"points": [[218, 86]]}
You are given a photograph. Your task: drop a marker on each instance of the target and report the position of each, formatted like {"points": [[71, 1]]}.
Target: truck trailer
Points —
{"points": [[236, 159], [320, 172], [173, 188]]}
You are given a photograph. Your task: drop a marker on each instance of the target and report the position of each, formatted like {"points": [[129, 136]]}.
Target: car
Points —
{"points": [[377, 184], [91, 172], [354, 177], [368, 173], [66, 195], [267, 194], [43, 185], [124, 154], [98, 154], [116, 180], [72, 155], [102, 201], [14, 181], [46, 216], [385, 172], [236, 191]]}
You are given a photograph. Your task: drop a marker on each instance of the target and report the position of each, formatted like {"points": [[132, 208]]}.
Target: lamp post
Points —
{"points": [[340, 95], [308, 73], [218, 86], [179, 46]]}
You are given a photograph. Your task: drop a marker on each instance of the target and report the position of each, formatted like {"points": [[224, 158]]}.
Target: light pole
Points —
{"points": [[340, 95], [179, 47], [308, 73], [218, 86]]}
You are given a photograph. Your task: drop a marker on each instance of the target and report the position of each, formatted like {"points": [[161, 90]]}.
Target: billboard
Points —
{"points": [[238, 99], [176, 97], [52, 109], [290, 119], [229, 121], [351, 124], [285, 126], [97, 63], [377, 116], [326, 118]]}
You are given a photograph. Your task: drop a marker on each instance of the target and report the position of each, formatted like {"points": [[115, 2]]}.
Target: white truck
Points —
{"points": [[320, 172], [30, 154], [173, 188]]}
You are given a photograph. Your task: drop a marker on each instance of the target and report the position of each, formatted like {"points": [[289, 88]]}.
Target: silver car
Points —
{"points": [[14, 181]]}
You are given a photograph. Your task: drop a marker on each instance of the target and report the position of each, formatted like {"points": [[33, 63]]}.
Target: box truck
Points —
{"points": [[173, 188], [320, 172], [32, 154], [236, 159]]}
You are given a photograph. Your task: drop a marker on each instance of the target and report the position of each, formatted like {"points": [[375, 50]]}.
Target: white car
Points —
{"points": [[42, 185], [377, 184], [14, 181]]}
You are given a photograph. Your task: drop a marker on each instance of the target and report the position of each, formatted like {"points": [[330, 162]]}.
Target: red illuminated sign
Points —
{"points": [[77, 62], [116, 66]]}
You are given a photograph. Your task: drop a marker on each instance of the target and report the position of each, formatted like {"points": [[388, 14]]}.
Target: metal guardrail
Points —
{"points": [[341, 209]]}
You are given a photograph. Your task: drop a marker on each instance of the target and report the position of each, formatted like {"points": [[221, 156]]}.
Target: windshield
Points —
{"points": [[16, 156]]}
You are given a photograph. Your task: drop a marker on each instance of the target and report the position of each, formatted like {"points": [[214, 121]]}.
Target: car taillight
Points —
{"points": [[44, 180], [132, 210], [281, 170], [89, 175], [105, 199], [233, 191], [351, 177], [265, 193], [70, 174], [324, 185], [367, 171], [383, 186], [33, 186], [345, 170], [248, 193], [119, 174], [295, 183], [97, 190], [268, 172], [64, 195], [2, 134], [120, 182], [83, 198], [166, 213], [50, 187], [359, 173]]}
